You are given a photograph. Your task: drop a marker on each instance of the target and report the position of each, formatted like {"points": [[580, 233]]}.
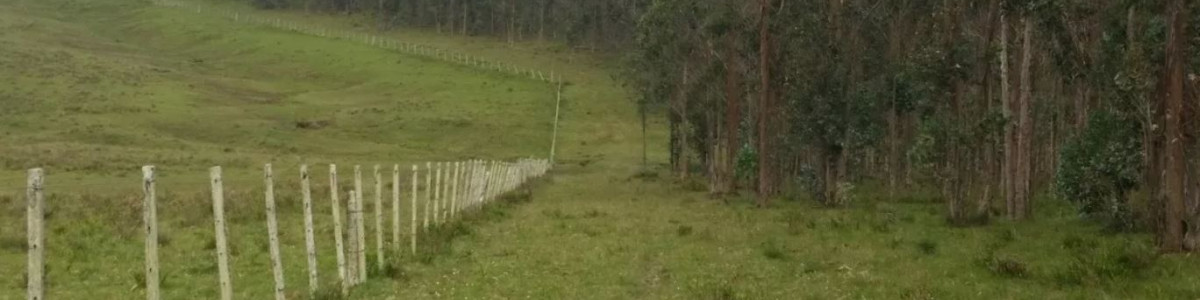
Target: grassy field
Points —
{"points": [[91, 90]]}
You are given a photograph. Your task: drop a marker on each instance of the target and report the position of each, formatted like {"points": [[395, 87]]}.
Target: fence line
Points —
{"points": [[463, 185], [374, 41]]}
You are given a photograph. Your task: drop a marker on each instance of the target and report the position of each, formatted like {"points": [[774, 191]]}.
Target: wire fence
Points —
{"points": [[371, 40], [437, 194], [447, 191]]}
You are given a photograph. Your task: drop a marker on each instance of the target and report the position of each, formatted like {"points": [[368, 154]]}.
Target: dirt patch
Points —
{"points": [[237, 90]]}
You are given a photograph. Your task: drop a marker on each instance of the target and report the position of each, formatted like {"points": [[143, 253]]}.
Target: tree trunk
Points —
{"points": [[450, 17], [831, 166], [893, 142], [1173, 180], [1025, 126], [765, 109], [512, 20], [542, 21], [684, 127], [733, 117], [1006, 100]]}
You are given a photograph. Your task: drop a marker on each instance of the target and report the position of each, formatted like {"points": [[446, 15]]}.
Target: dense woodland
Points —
{"points": [[992, 102]]}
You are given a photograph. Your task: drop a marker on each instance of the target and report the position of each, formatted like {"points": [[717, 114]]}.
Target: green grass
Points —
{"points": [[93, 89]]}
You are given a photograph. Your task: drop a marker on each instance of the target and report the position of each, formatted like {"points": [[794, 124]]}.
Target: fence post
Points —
{"points": [[351, 239], [310, 245], [448, 179], [218, 197], [451, 186], [489, 190], [150, 221], [480, 171], [273, 231], [453, 189], [458, 166], [437, 195], [428, 193], [379, 218], [339, 244], [35, 223], [413, 211], [396, 209], [360, 227], [557, 107]]}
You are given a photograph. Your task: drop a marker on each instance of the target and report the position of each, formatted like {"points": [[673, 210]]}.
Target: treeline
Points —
{"points": [[989, 101], [584, 24]]}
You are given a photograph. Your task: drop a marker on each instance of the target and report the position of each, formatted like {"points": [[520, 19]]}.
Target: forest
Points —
{"points": [[989, 103]]}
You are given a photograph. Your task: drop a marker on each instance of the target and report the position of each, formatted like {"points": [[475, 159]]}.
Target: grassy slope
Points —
{"points": [[100, 89], [93, 90]]}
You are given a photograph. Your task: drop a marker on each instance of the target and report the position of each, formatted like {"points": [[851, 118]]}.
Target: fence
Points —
{"points": [[372, 40], [451, 188]]}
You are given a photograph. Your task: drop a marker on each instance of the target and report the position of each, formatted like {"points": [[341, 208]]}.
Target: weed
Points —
{"points": [[13, 244], [1077, 243], [927, 247], [1095, 265], [646, 175], [593, 214], [694, 184], [918, 293], [329, 292], [771, 249], [796, 222], [1008, 267], [520, 195], [392, 270], [557, 214], [724, 292], [683, 230], [311, 124]]}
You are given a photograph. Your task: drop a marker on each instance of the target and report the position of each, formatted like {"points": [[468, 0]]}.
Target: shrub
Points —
{"points": [[1100, 166], [1094, 264], [1008, 267]]}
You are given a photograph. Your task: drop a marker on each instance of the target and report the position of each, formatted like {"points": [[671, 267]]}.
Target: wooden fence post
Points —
{"points": [[480, 172], [378, 218], [486, 182], [454, 190], [150, 221], [413, 211], [310, 245], [218, 197], [351, 239], [489, 190], [273, 231], [35, 223], [396, 209], [451, 174], [445, 186], [437, 195], [428, 194], [360, 227], [339, 244]]}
